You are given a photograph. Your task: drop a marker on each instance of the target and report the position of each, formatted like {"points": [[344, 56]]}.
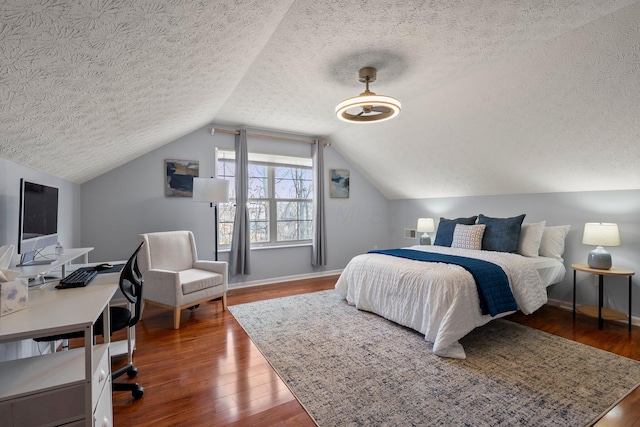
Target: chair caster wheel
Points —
{"points": [[132, 372], [137, 394]]}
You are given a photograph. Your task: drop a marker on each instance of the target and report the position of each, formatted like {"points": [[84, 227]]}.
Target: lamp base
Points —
{"points": [[599, 259], [425, 239]]}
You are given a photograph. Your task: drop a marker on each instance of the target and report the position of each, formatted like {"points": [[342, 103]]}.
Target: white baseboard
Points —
{"points": [[561, 304], [273, 280], [568, 305]]}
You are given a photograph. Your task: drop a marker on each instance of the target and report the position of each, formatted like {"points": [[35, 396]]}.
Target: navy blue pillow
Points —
{"points": [[446, 227], [501, 234]]}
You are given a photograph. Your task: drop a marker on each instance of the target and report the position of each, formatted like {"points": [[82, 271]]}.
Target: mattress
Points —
{"points": [[441, 300], [551, 270]]}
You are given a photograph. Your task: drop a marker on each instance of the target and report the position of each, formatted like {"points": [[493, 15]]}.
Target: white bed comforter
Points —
{"points": [[439, 300]]}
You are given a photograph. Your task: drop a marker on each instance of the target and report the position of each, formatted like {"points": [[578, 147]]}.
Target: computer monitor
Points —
{"points": [[38, 225]]}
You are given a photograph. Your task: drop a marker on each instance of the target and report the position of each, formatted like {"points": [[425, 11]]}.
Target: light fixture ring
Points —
{"points": [[368, 103], [372, 107]]}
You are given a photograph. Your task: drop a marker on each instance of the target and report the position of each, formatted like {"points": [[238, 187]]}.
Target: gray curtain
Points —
{"points": [[319, 251], [241, 239]]}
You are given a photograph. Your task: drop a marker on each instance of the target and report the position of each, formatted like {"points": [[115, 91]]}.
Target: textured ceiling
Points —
{"points": [[498, 97]]}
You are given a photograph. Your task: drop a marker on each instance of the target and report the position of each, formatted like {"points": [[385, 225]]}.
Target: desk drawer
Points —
{"points": [[55, 407], [103, 415], [101, 373]]}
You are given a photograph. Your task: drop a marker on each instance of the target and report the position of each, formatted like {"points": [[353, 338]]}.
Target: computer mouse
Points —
{"points": [[104, 266]]}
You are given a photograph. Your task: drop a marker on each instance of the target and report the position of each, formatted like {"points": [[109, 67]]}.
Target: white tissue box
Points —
{"points": [[14, 296]]}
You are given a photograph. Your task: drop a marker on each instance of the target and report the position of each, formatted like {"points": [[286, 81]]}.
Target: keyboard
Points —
{"points": [[77, 279]]}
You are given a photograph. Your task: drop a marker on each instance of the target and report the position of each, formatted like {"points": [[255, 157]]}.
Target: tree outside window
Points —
{"points": [[280, 199]]}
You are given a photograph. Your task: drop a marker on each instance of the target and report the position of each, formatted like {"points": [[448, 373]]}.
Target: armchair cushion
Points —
{"points": [[194, 280]]}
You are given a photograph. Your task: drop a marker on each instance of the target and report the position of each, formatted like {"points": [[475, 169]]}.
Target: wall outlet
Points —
{"points": [[409, 233]]}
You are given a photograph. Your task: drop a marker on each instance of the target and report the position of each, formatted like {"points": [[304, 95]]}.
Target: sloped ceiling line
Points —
{"points": [[499, 97]]}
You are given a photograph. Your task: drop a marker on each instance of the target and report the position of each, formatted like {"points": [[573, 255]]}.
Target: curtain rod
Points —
{"points": [[279, 138]]}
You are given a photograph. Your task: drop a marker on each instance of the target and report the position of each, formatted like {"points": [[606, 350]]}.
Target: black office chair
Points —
{"points": [[121, 317]]}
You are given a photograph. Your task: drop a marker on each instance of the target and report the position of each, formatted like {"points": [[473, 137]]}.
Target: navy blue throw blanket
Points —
{"points": [[491, 281]]}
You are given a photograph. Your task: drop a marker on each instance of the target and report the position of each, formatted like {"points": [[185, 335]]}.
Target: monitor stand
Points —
{"points": [[28, 259]]}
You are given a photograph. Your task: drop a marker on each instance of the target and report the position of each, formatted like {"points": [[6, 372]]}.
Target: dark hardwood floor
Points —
{"points": [[208, 373]]}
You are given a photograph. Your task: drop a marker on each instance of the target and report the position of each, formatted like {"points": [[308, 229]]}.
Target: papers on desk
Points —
{"points": [[14, 294]]}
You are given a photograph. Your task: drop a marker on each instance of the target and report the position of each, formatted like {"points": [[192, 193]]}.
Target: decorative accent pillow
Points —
{"points": [[501, 234], [552, 243], [444, 235], [530, 238], [468, 236]]}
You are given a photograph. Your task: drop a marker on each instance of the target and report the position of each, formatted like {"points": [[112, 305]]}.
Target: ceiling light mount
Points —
{"points": [[367, 75], [368, 107]]}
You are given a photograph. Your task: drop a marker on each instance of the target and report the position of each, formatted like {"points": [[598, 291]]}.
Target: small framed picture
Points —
{"points": [[179, 177], [339, 183]]}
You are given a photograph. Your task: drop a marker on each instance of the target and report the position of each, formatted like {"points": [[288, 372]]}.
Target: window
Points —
{"points": [[280, 199]]}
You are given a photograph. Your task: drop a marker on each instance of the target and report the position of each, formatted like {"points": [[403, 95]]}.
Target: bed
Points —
{"points": [[440, 300]]}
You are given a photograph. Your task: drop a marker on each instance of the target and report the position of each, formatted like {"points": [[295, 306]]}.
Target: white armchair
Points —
{"points": [[173, 275]]}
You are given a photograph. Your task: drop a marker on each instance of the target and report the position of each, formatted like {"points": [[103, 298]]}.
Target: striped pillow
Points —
{"points": [[468, 236]]}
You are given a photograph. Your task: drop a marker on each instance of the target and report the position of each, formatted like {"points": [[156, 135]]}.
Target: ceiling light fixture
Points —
{"points": [[368, 107]]}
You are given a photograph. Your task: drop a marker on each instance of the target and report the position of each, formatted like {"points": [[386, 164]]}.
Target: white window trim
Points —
{"points": [[274, 159]]}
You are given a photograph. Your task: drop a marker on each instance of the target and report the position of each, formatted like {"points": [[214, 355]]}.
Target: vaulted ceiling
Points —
{"points": [[498, 97]]}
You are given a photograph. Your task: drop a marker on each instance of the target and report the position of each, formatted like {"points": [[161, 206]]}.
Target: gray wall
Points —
{"points": [[575, 209], [68, 227], [69, 204], [110, 211], [127, 201]]}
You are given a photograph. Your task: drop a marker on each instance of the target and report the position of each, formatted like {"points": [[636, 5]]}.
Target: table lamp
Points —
{"points": [[600, 234], [425, 226], [212, 191]]}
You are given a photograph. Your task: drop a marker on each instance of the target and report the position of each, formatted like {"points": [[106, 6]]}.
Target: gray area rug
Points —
{"points": [[352, 368]]}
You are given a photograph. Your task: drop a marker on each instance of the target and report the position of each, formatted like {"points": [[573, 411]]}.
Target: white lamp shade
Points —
{"points": [[601, 234], [210, 190], [425, 225]]}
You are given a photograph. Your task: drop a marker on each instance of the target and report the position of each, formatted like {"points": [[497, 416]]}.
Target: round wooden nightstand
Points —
{"points": [[600, 312]]}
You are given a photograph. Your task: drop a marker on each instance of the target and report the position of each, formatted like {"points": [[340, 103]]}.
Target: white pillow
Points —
{"points": [[468, 236], [552, 244], [530, 238]]}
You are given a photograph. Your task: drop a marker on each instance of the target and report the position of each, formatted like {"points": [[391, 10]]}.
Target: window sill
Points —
{"points": [[261, 248]]}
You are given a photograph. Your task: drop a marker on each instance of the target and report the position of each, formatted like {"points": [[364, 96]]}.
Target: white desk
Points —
{"points": [[67, 387], [31, 271]]}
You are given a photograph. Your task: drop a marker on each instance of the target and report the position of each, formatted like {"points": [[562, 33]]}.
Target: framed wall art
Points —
{"points": [[339, 183], [179, 177]]}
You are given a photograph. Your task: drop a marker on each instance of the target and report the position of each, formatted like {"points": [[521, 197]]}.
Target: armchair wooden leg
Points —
{"points": [[224, 301], [176, 318]]}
